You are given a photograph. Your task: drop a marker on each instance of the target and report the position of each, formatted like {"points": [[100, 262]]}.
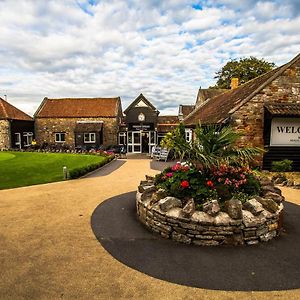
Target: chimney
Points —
{"points": [[5, 97], [234, 83]]}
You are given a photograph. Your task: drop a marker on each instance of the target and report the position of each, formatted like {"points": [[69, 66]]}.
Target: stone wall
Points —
{"points": [[46, 127], [250, 117], [255, 221], [4, 134]]}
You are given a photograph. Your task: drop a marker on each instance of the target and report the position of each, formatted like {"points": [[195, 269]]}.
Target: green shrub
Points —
{"points": [[79, 172], [282, 166]]}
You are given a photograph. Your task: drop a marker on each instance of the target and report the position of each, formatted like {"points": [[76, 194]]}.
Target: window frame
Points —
{"points": [[60, 134], [89, 140], [28, 137]]}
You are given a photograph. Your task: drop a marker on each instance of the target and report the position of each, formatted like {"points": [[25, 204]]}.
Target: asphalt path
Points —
{"points": [[270, 266]]}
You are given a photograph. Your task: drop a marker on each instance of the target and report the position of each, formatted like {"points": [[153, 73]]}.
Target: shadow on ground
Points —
{"points": [[107, 169], [274, 265]]}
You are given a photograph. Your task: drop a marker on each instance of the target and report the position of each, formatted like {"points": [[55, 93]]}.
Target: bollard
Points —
{"points": [[65, 173]]}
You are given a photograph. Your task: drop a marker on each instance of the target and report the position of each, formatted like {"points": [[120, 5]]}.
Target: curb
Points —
{"points": [[96, 170]]}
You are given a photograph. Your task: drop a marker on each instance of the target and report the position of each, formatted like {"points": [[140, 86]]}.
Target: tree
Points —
{"points": [[244, 69]]}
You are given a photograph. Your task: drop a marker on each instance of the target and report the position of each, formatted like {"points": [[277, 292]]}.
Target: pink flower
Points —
{"points": [[185, 184], [170, 174], [176, 167], [227, 181]]}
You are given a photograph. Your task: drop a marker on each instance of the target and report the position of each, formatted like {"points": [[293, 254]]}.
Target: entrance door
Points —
{"points": [[145, 142], [152, 140], [134, 142]]}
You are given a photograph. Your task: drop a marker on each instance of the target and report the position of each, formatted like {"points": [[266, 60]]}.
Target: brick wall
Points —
{"points": [[45, 129], [4, 134], [250, 117]]}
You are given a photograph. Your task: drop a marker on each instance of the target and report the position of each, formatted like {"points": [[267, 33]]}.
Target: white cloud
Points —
{"points": [[164, 49]]}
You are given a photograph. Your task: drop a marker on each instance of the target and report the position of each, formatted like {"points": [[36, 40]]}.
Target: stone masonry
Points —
{"points": [[258, 220], [4, 134], [250, 117], [45, 129]]}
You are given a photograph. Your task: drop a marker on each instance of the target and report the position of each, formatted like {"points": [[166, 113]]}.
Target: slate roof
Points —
{"points": [[218, 109], [10, 112], [79, 108], [283, 109], [205, 94], [167, 123]]}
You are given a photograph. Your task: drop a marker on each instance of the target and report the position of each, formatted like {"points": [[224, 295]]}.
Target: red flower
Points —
{"points": [[170, 174], [210, 183], [185, 184]]}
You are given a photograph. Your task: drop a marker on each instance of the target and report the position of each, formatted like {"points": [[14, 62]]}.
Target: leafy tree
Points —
{"points": [[244, 69]]}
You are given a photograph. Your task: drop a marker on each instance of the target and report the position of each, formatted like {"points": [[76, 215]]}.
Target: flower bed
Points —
{"points": [[226, 206]]}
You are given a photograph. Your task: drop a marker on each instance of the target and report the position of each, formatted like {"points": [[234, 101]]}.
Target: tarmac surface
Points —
{"points": [[48, 249]]}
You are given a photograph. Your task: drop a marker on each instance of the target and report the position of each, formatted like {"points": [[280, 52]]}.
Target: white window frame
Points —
{"points": [[58, 137], [27, 138], [188, 135], [18, 139], [87, 137]]}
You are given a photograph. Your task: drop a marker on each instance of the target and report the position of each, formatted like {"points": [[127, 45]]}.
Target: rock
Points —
{"points": [[277, 190], [188, 209], [147, 188], [178, 237], [267, 204], [205, 243], [265, 181], [212, 207], [253, 206], [290, 183], [268, 236], [203, 218], [279, 180], [222, 219], [277, 198], [234, 208], [268, 188], [158, 195], [250, 220], [149, 178], [174, 212], [167, 203]]}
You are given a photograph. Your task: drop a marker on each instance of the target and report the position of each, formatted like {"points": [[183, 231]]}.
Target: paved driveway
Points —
{"points": [[48, 249]]}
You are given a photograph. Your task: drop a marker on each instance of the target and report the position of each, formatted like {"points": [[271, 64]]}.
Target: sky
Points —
{"points": [[163, 49]]}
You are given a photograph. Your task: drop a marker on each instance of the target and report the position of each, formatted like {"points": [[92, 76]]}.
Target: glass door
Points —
{"points": [[134, 142]]}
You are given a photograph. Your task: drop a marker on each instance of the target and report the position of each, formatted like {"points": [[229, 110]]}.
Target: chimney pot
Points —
{"points": [[234, 83]]}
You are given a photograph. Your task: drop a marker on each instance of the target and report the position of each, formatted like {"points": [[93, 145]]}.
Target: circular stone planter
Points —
{"points": [[257, 220]]}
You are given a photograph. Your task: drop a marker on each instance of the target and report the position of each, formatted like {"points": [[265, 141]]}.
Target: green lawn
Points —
{"points": [[28, 168]]}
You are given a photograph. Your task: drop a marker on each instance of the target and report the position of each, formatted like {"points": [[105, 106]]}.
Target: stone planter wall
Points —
{"points": [[258, 220]]}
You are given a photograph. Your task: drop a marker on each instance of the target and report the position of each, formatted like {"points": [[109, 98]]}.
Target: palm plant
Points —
{"points": [[215, 145]]}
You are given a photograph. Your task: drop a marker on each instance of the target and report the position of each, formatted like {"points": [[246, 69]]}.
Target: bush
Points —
{"points": [[282, 166], [184, 182], [78, 172]]}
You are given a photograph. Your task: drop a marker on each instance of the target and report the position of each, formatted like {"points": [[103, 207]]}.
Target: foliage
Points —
{"points": [[176, 141], [28, 168], [214, 145], [245, 69], [282, 166], [223, 183]]}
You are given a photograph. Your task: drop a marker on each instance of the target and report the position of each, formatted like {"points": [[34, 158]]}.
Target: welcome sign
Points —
{"points": [[285, 132]]}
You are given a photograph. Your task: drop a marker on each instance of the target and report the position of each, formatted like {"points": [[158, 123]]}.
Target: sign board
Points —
{"points": [[145, 127], [285, 132]]}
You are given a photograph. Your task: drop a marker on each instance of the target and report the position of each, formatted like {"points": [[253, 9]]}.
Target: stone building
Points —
{"points": [[16, 127], [81, 123], [266, 108]]}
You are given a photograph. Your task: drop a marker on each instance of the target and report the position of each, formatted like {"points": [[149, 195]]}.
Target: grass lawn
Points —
{"points": [[28, 168]]}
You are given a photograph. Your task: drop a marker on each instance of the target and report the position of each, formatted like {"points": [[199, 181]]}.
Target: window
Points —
{"points": [[122, 138], [60, 137], [27, 138], [89, 137], [188, 135], [18, 139]]}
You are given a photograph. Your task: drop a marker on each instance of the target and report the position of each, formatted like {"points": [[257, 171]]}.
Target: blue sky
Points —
{"points": [[163, 49]]}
